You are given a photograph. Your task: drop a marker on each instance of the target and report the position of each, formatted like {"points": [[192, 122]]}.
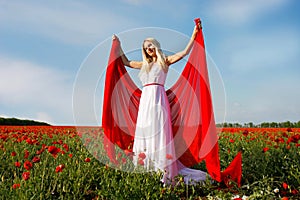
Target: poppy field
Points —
{"points": [[61, 162]]}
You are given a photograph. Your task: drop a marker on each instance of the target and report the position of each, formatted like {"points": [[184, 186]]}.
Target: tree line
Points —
{"points": [[20, 122], [286, 124]]}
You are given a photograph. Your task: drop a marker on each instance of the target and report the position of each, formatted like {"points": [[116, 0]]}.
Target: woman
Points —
{"points": [[153, 142]]}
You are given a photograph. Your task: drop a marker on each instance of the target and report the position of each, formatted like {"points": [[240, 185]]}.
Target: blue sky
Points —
{"points": [[255, 46]]}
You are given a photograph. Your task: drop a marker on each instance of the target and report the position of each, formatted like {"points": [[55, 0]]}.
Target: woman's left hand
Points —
{"points": [[197, 28], [114, 37]]}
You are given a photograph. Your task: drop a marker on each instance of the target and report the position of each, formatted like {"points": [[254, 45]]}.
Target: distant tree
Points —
{"points": [[21, 122], [265, 125], [251, 124], [274, 124], [297, 124], [287, 124]]}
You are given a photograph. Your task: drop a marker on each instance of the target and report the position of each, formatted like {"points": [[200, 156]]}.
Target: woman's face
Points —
{"points": [[149, 48]]}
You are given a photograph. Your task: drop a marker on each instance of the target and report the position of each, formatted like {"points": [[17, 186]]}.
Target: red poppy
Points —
{"points": [[65, 146], [3, 137], [142, 156], [38, 152], [35, 142], [70, 155], [36, 159], [26, 175], [26, 154], [87, 160], [294, 191], [17, 164], [141, 162], [279, 140], [13, 153], [53, 150], [294, 139], [231, 140], [285, 135], [27, 165], [124, 160], [285, 185], [16, 185], [59, 168], [29, 141], [284, 198], [245, 132], [265, 149]]}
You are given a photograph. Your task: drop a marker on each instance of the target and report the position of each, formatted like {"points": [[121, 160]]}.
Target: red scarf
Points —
{"points": [[192, 116]]}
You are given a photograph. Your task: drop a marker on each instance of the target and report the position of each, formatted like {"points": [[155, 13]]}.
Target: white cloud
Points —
{"points": [[72, 22], [37, 92], [237, 12]]}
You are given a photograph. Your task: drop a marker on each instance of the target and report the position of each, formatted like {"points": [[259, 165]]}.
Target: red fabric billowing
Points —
{"points": [[118, 122], [192, 117]]}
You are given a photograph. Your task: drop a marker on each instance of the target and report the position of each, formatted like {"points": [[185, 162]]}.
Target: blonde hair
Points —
{"points": [[147, 60]]}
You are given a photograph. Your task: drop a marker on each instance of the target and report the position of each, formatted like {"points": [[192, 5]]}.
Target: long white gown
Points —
{"points": [[153, 143]]}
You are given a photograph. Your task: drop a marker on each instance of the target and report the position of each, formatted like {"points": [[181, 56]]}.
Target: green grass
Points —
{"points": [[270, 174]]}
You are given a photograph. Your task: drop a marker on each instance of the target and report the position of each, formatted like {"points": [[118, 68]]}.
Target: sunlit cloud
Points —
{"points": [[42, 92], [70, 22]]}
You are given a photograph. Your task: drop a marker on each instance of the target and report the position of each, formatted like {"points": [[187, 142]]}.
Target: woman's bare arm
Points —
{"points": [[129, 63], [178, 56]]}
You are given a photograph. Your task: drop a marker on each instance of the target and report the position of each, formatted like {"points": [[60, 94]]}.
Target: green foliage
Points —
{"points": [[268, 164], [286, 124]]}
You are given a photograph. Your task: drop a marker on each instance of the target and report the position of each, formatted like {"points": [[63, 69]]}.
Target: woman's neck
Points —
{"points": [[154, 59]]}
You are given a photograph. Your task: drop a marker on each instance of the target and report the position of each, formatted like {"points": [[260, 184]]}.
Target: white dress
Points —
{"points": [[153, 143]]}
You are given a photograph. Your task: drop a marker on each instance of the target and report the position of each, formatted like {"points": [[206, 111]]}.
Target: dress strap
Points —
{"points": [[153, 84]]}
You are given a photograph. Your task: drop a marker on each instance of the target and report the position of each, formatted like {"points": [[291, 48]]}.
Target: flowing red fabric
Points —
{"points": [[192, 116]]}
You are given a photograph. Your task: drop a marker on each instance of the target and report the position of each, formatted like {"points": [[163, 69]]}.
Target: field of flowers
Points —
{"points": [[55, 162]]}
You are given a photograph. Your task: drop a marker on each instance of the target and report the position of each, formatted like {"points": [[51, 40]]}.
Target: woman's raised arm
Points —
{"points": [[178, 56], [128, 63]]}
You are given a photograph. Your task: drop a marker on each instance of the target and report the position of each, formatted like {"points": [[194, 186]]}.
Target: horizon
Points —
{"points": [[217, 124]]}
